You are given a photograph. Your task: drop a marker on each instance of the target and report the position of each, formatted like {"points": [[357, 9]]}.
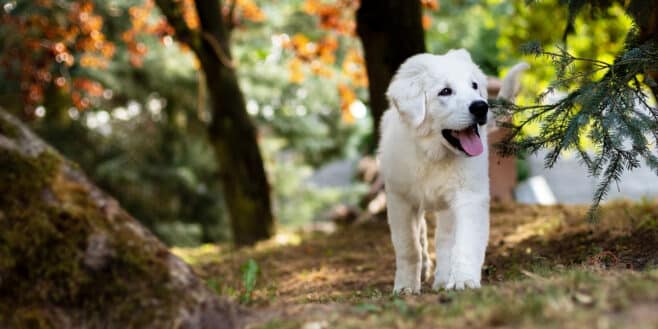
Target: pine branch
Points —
{"points": [[613, 109]]}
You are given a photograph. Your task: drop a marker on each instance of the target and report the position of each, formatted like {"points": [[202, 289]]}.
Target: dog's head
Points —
{"points": [[443, 98]]}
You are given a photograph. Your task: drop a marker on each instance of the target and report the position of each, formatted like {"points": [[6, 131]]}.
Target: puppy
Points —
{"points": [[433, 158]]}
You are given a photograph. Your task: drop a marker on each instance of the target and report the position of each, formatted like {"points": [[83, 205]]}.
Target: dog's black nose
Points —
{"points": [[479, 110]]}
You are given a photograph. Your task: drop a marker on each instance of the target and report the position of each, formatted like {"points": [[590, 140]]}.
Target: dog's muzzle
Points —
{"points": [[479, 110]]}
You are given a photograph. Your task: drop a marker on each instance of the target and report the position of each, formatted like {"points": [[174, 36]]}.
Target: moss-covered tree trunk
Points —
{"points": [[232, 133], [390, 31], [71, 257]]}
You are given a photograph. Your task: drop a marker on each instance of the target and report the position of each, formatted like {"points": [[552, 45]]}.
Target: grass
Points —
{"points": [[546, 267]]}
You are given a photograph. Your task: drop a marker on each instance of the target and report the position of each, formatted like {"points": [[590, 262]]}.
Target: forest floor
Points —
{"points": [[546, 267]]}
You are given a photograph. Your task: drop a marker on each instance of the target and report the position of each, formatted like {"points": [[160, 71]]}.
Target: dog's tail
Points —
{"points": [[509, 88], [510, 85]]}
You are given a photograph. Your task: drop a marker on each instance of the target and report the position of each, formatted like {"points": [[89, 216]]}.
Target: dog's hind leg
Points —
{"points": [[403, 220], [426, 265]]}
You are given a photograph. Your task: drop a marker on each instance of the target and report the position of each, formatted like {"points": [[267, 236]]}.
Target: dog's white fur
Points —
{"points": [[424, 173]]}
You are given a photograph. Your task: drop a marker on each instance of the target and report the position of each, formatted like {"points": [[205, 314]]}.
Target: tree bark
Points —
{"points": [[390, 31], [645, 14], [71, 257], [231, 131]]}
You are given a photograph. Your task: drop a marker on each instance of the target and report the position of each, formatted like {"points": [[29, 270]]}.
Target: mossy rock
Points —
{"points": [[71, 257]]}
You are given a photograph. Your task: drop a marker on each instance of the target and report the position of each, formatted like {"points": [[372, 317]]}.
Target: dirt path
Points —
{"points": [[348, 274]]}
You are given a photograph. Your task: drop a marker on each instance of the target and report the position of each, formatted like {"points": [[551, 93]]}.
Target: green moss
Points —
{"points": [[7, 129], [45, 222], [32, 319], [21, 174]]}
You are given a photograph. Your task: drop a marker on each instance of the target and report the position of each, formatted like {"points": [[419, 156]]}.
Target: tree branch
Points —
{"points": [[230, 21], [217, 49], [174, 14], [193, 38]]}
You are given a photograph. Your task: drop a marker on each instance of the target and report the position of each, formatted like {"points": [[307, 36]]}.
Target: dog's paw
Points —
{"points": [[404, 291], [451, 284], [456, 279], [457, 285], [406, 288]]}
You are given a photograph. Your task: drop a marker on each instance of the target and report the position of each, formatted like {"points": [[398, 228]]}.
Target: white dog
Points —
{"points": [[433, 157]]}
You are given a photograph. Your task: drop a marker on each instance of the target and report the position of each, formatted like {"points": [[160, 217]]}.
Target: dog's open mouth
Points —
{"points": [[466, 140]]}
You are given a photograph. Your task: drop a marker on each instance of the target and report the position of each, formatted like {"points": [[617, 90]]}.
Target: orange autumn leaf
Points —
{"points": [[90, 87], [189, 14], [337, 16], [427, 22], [92, 61], [296, 71], [430, 4], [320, 69], [354, 68], [327, 48], [250, 10], [54, 39], [347, 97]]}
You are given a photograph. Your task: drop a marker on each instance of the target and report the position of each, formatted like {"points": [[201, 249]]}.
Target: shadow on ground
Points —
{"points": [[355, 265]]}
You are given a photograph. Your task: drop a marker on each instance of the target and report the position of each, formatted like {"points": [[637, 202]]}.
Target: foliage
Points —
{"points": [[250, 271], [596, 35], [612, 111], [75, 41], [479, 33], [107, 85], [332, 50], [606, 102], [143, 139]]}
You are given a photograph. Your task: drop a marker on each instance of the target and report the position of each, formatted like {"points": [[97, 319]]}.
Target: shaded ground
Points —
{"points": [[546, 267]]}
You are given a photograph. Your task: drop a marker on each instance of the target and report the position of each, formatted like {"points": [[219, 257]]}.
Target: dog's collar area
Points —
{"points": [[470, 136]]}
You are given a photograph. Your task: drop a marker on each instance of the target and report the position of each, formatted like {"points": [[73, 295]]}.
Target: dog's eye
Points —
{"points": [[445, 92], [475, 86]]}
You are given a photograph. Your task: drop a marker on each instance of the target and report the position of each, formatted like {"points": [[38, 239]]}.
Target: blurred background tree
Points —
{"points": [[138, 122], [132, 122], [387, 43], [246, 189]]}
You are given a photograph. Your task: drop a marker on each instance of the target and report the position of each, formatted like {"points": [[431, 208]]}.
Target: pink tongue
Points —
{"points": [[470, 141]]}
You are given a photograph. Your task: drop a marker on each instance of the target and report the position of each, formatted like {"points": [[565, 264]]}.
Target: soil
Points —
{"points": [[331, 273]]}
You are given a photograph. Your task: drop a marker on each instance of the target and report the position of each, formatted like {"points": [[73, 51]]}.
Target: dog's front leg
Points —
{"points": [[471, 211], [445, 243], [403, 220]]}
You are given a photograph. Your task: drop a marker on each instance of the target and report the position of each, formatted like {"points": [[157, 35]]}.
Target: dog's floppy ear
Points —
{"points": [[406, 92]]}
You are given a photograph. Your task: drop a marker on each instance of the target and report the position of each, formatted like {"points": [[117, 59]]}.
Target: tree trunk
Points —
{"points": [[390, 31], [71, 257], [645, 14], [231, 131]]}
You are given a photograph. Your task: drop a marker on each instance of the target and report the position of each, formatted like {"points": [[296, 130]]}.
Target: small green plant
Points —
{"points": [[213, 285], [249, 272], [368, 308]]}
